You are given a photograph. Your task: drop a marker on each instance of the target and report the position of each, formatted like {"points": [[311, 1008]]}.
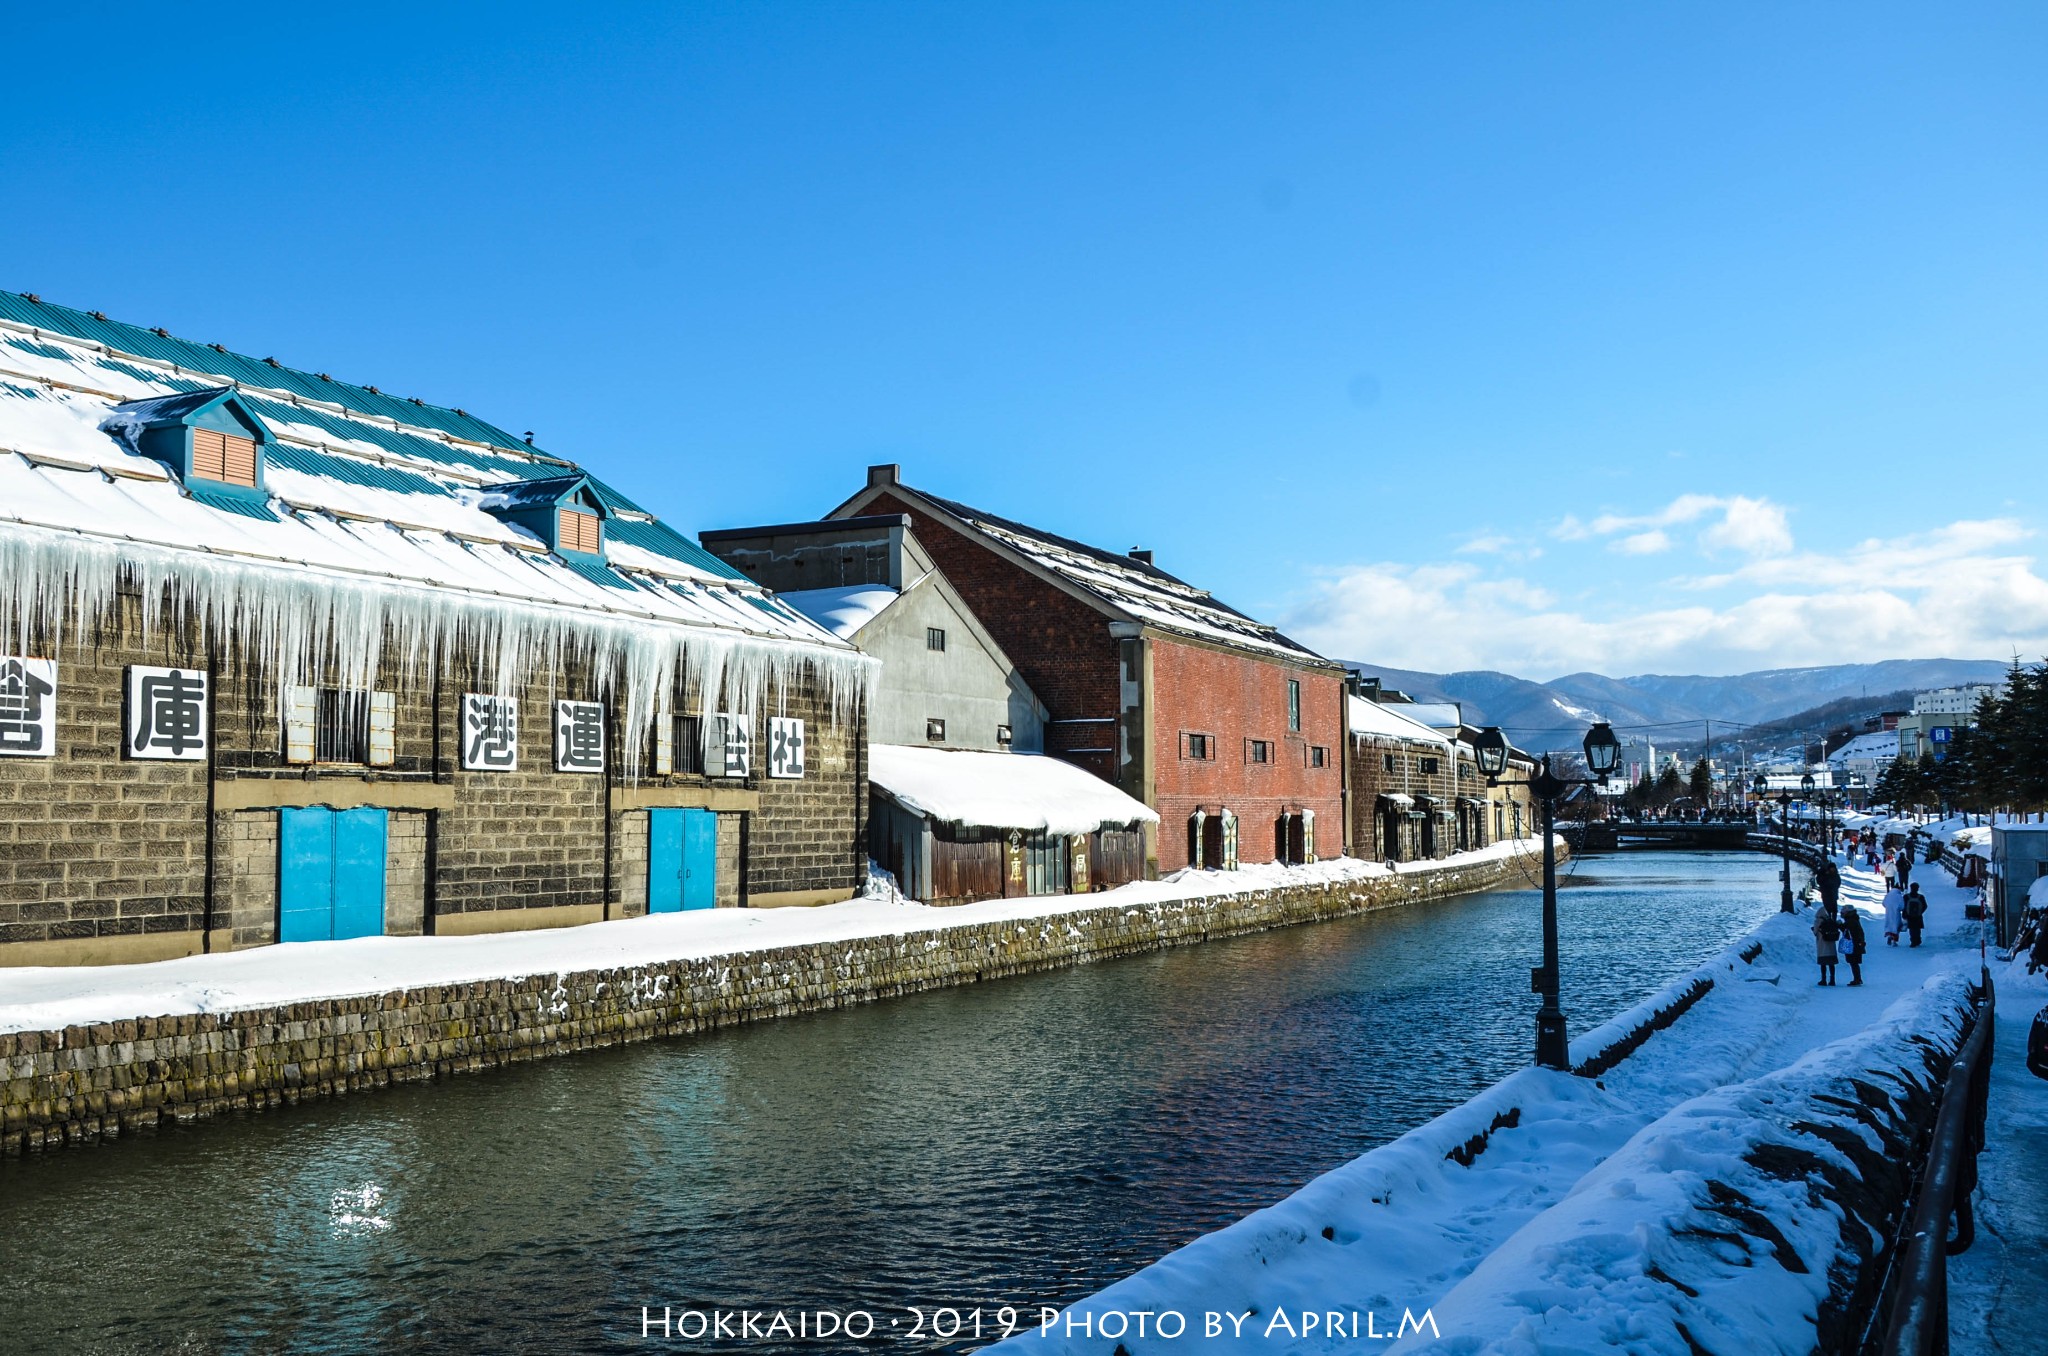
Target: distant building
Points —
{"points": [[1230, 731], [1861, 761], [963, 805], [1927, 728]]}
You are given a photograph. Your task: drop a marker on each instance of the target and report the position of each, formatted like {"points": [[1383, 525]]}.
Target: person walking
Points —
{"points": [[1889, 870], [1915, 909], [1893, 915], [1904, 867], [1852, 945], [1827, 930]]}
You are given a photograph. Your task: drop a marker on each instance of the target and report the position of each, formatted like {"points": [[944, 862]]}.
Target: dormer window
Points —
{"points": [[576, 530], [563, 511], [211, 440], [224, 457]]}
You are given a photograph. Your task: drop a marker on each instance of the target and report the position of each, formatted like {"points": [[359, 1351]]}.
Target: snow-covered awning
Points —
{"points": [[1377, 720], [1396, 798], [1024, 791]]}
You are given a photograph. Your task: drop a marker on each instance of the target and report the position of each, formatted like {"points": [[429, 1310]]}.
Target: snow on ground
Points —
{"points": [[1998, 1290], [1402, 1227], [41, 998]]}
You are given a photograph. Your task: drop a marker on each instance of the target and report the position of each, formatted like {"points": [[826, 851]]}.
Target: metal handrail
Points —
{"points": [[1916, 1322]]}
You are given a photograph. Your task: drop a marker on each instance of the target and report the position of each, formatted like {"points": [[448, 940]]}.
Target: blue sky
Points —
{"points": [[1540, 337]]}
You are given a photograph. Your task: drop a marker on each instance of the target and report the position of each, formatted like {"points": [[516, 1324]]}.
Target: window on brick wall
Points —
{"points": [[1318, 756], [336, 725], [1258, 750], [1198, 746], [689, 746], [1294, 703], [1387, 762], [1429, 767]]}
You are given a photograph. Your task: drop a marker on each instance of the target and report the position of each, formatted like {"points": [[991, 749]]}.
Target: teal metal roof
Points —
{"points": [[94, 329], [506, 458], [351, 470], [664, 540]]}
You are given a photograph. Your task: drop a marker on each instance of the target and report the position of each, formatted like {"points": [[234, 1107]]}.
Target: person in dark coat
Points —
{"points": [[1827, 930], [1915, 909], [1852, 945], [1905, 868], [1829, 877]]}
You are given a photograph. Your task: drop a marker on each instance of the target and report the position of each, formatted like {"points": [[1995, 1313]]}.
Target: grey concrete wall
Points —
{"points": [[88, 1082], [969, 684]]}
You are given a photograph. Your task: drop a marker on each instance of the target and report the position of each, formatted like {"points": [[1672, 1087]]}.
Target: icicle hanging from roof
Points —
{"points": [[295, 622]]}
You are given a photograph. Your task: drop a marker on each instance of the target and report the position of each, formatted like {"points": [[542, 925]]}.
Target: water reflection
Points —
{"points": [[1020, 1142]]}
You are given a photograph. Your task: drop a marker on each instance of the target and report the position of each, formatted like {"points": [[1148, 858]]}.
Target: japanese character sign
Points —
{"points": [[579, 737], [736, 744], [785, 747], [490, 733], [167, 714], [28, 707]]}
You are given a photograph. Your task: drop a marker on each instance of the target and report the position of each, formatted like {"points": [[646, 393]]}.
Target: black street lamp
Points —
{"points": [[1784, 839], [1603, 751]]}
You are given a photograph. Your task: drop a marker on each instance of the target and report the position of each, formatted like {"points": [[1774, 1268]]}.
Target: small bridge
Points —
{"points": [[1611, 835]]}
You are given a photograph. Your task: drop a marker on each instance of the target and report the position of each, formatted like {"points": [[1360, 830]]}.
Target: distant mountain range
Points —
{"points": [[1555, 715]]}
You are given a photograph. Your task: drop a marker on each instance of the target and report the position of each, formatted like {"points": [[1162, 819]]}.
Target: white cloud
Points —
{"points": [[1650, 543], [1754, 527], [1953, 591], [1733, 523]]}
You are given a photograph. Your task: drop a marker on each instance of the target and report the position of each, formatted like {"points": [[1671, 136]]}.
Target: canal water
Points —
{"points": [[1016, 1143]]}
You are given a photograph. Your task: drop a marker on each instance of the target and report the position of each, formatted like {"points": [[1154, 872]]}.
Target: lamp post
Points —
{"points": [[1603, 751], [1763, 786]]}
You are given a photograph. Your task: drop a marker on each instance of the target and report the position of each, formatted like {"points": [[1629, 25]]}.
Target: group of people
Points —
{"points": [[1838, 932]]}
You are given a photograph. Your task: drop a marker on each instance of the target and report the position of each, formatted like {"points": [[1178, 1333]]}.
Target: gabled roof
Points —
{"points": [[151, 411], [362, 485], [532, 494], [1120, 586]]}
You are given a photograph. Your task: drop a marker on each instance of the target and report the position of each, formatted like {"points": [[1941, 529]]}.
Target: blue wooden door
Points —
{"points": [[700, 859], [330, 873], [664, 861]]}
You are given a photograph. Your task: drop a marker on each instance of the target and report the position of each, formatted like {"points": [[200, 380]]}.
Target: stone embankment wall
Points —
{"points": [[89, 1082]]}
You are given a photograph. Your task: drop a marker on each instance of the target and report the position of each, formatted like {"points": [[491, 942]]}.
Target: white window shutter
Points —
{"points": [[301, 708], [383, 729], [664, 744]]}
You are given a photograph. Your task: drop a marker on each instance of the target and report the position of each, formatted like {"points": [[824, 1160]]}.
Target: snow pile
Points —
{"points": [[1745, 1220], [1024, 791], [842, 611]]}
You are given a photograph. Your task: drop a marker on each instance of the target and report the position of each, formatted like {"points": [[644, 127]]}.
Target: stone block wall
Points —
{"points": [[87, 1082], [101, 857], [104, 859]]}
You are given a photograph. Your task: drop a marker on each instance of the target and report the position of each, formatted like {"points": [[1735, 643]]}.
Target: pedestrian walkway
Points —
{"points": [[1998, 1290]]}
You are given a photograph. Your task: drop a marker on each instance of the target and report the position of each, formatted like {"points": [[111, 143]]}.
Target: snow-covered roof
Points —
{"points": [[1381, 721], [1877, 744], [845, 610], [1436, 715], [1123, 585], [1023, 791], [364, 486]]}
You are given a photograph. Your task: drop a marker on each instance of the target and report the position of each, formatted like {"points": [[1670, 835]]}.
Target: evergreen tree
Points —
{"points": [[1701, 784]]}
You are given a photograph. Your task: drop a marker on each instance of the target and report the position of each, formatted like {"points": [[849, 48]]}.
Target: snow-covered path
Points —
{"points": [[1400, 1227], [1998, 1290]]}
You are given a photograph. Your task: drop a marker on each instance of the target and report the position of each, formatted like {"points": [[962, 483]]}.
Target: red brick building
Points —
{"points": [[1232, 732]]}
